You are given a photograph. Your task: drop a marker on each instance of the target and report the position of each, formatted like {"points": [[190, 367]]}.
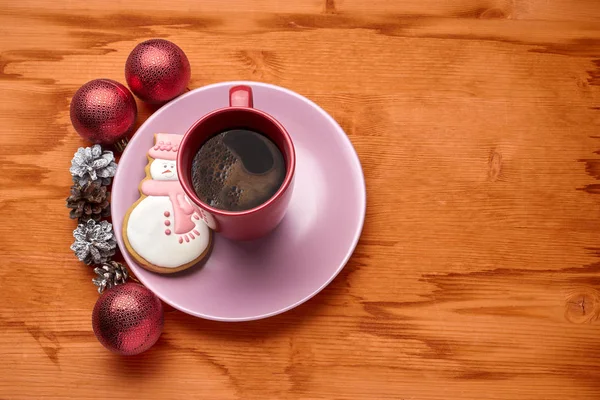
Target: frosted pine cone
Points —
{"points": [[94, 242], [110, 274], [92, 163]]}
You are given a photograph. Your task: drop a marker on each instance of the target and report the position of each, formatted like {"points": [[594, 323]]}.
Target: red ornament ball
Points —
{"points": [[103, 111], [157, 71], [128, 319]]}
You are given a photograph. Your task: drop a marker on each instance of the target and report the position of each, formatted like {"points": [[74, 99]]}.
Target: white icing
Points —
{"points": [[163, 170], [146, 234]]}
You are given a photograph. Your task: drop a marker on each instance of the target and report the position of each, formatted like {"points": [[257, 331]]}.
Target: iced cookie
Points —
{"points": [[163, 230]]}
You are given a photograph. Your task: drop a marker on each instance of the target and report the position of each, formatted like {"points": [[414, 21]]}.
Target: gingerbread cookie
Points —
{"points": [[163, 230]]}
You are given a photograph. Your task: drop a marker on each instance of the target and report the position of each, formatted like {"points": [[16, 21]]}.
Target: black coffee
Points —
{"points": [[237, 170]]}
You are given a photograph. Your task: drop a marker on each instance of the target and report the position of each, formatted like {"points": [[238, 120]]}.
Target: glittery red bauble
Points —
{"points": [[103, 111], [128, 319], [157, 71]]}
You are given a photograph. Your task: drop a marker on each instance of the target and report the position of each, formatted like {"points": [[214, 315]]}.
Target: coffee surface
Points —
{"points": [[237, 170]]}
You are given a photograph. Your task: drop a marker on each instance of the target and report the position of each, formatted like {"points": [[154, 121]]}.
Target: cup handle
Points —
{"points": [[241, 96]]}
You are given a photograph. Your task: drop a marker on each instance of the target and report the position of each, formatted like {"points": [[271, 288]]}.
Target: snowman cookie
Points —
{"points": [[163, 230]]}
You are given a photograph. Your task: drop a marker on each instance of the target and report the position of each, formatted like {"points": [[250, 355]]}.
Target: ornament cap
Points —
{"points": [[121, 144]]}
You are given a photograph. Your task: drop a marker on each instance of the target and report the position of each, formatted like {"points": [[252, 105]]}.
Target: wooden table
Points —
{"points": [[477, 125]]}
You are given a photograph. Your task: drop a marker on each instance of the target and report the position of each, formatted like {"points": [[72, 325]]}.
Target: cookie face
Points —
{"points": [[164, 231], [163, 170]]}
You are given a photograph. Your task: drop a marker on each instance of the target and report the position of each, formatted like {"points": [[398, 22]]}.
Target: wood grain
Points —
{"points": [[478, 273]]}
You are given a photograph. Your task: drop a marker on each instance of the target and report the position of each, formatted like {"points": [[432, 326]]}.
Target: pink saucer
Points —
{"points": [[253, 280]]}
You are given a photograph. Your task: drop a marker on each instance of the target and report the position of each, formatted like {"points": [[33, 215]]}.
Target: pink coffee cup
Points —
{"points": [[255, 222]]}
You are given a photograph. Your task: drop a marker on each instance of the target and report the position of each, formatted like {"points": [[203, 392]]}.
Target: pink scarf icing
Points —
{"points": [[182, 209]]}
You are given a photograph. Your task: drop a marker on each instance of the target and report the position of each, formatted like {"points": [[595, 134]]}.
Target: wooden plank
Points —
{"points": [[477, 273]]}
